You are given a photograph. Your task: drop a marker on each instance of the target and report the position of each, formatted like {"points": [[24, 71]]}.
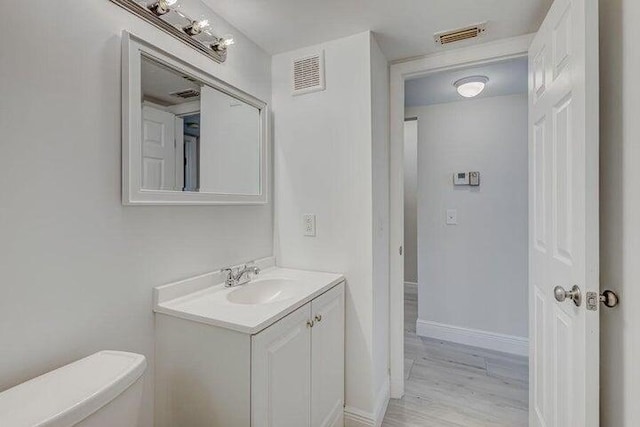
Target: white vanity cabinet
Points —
{"points": [[297, 364], [288, 374]]}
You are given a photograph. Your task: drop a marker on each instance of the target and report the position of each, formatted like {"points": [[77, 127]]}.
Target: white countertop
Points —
{"points": [[211, 305]]}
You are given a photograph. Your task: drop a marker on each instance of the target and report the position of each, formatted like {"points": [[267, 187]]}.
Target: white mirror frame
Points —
{"points": [[133, 48]]}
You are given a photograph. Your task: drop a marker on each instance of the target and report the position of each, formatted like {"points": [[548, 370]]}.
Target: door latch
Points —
{"points": [[608, 298]]}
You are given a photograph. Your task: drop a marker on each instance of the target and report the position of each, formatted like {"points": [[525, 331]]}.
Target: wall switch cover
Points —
{"points": [[452, 216], [309, 224]]}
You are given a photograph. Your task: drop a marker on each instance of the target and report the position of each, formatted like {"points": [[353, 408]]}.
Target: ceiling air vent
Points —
{"points": [[308, 74], [186, 94], [460, 34], [191, 79]]}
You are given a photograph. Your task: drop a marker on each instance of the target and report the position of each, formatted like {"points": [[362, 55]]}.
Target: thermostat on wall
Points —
{"points": [[460, 178], [466, 178]]}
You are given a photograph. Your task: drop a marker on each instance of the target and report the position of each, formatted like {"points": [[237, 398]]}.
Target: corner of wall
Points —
{"points": [[356, 418]]}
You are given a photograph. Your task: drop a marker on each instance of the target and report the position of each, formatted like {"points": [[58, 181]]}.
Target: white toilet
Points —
{"points": [[102, 390]]}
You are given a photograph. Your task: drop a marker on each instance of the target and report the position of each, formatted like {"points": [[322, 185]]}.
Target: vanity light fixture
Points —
{"points": [[162, 7], [167, 14], [470, 87]]}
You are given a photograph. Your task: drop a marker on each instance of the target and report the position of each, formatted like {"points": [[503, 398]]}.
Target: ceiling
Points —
{"points": [[158, 82], [403, 28], [507, 77]]}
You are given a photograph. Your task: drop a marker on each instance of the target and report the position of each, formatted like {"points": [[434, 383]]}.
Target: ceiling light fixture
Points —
{"points": [[162, 7], [470, 87]]}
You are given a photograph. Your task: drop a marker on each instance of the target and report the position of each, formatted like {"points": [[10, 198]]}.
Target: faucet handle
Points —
{"points": [[253, 268]]}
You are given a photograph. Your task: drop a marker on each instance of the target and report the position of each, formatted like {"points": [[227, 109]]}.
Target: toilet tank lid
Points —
{"points": [[71, 393]]}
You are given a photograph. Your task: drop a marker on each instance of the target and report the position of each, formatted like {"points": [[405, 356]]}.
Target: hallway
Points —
{"points": [[452, 385]]}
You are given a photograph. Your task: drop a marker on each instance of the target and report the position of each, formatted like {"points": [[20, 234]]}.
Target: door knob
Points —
{"points": [[609, 299], [574, 294]]}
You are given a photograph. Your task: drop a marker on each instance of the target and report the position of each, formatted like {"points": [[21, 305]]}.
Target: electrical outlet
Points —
{"points": [[309, 224]]}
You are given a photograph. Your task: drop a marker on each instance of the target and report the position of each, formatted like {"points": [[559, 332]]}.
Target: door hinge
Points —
{"points": [[400, 250]]}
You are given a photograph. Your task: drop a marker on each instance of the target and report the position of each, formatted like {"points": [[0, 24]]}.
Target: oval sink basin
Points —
{"points": [[263, 291]]}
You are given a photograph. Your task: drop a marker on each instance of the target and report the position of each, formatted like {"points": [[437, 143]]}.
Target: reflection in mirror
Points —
{"points": [[196, 138]]}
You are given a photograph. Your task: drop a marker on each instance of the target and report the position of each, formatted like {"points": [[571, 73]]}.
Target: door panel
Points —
{"points": [[563, 216], [327, 359], [158, 149], [281, 372]]}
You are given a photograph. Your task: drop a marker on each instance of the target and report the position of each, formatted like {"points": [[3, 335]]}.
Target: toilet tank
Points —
{"points": [[104, 389]]}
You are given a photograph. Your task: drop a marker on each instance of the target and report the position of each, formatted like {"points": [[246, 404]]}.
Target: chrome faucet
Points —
{"points": [[239, 275]]}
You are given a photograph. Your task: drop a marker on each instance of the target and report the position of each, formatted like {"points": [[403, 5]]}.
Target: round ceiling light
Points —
{"points": [[471, 86]]}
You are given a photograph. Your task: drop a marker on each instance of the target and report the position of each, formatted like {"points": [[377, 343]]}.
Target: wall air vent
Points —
{"points": [[308, 74], [460, 34], [186, 94]]}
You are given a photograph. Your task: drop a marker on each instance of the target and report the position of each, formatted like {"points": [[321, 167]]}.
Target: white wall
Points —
{"points": [[324, 156], [411, 201], [620, 211], [474, 274], [76, 267], [229, 144]]}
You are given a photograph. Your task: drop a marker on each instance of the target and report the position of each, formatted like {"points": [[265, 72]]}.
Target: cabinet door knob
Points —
{"points": [[318, 317], [309, 323]]}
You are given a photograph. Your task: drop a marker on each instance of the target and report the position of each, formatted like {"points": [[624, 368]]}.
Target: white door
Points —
{"points": [[327, 359], [563, 217], [281, 372], [158, 149]]}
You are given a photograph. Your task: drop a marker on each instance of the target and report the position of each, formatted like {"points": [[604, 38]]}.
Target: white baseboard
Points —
{"points": [[382, 401], [354, 417], [397, 388], [473, 337]]}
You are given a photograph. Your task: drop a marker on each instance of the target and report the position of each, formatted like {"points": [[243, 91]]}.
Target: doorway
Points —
{"points": [[564, 290], [465, 239], [400, 73]]}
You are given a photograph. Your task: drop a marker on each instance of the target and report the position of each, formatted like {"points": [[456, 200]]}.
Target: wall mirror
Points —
{"points": [[188, 138]]}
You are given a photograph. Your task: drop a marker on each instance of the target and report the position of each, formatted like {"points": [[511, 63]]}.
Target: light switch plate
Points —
{"points": [[309, 224], [452, 216]]}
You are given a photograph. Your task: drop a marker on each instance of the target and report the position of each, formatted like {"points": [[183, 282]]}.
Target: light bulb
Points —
{"points": [[470, 87], [196, 27], [221, 43], [228, 40], [161, 7]]}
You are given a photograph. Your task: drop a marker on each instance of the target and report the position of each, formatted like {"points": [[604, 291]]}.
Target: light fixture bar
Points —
{"points": [[137, 9]]}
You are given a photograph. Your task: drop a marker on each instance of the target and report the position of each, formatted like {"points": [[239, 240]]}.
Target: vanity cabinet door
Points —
{"points": [[327, 359], [281, 372]]}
